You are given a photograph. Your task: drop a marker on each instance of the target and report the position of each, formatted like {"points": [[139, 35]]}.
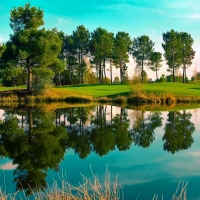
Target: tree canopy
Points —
{"points": [[83, 56]]}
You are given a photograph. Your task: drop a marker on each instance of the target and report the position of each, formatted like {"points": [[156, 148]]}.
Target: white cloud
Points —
{"points": [[184, 4], [195, 16], [8, 166], [195, 154], [152, 32], [63, 20], [60, 20], [128, 7], [183, 9]]}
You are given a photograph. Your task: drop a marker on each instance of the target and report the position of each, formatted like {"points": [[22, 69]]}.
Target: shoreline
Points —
{"points": [[47, 102], [23, 96]]}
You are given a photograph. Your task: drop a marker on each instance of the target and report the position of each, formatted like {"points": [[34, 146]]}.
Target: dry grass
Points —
{"points": [[10, 98], [89, 191], [138, 95]]}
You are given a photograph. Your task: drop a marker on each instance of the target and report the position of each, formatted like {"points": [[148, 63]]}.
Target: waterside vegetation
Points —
{"points": [[89, 190], [163, 93]]}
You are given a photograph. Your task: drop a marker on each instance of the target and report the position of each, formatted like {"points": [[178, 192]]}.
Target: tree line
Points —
{"points": [[36, 56]]}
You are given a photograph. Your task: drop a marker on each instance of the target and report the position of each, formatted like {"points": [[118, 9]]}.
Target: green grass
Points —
{"points": [[98, 90], [152, 93], [177, 89], [12, 88]]}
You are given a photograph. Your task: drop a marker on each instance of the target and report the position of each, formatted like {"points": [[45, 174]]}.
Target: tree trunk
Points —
{"points": [[142, 72], [30, 76], [59, 78], [70, 72], [104, 66], [111, 113], [174, 78], [97, 72], [23, 79], [156, 74], [111, 70], [79, 67], [185, 73], [30, 118], [121, 70], [100, 71], [82, 67]]}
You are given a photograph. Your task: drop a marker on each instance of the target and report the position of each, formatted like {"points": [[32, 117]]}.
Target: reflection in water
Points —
{"points": [[36, 140], [178, 132], [144, 127], [34, 150]]}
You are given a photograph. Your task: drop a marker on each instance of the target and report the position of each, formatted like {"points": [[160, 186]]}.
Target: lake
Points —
{"points": [[149, 152]]}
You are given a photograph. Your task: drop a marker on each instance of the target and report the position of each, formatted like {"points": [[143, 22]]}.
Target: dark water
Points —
{"points": [[149, 152]]}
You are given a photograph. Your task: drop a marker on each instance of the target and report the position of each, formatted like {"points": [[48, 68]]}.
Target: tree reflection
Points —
{"points": [[80, 142], [34, 150], [178, 132], [120, 128], [36, 140], [99, 135], [79, 136], [102, 138], [144, 127]]}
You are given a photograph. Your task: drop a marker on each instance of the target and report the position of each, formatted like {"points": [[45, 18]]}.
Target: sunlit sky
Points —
{"points": [[137, 17]]}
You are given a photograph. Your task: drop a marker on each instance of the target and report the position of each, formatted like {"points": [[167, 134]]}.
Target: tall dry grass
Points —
{"points": [[89, 190], [138, 95]]}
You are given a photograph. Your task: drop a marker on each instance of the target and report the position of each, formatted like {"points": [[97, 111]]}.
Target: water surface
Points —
{"points": [[150, 152]]}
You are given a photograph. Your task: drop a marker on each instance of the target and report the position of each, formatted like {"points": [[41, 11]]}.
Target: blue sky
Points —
{"points": [[137, 17]]}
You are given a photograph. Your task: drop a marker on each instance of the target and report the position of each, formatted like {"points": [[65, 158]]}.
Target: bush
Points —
{"points": [[162, 79], [42, 79], [116, 80]]}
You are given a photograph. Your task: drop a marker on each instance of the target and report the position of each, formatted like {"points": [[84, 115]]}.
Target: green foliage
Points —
{"points": [[26, 17], [122, 45], [101, 47], [141, 51], [80, 42], [187, 52], [155, 62], [29, 47], [39, 147], [143, 130], [116, 80], [179, 79], [13, 76], [90, 77], [162, 79], [172, 48], [58, 67], [178, 132], [42, 79]]}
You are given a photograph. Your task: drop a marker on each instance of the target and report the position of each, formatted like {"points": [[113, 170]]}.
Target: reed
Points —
{"points": [[89, 190]]}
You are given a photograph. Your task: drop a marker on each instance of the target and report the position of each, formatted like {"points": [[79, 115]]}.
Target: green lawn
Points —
{"points": [[12, 88], [177, 89], [98, 90]]}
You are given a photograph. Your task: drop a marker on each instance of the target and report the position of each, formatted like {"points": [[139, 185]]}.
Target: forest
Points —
{"points": [[41, 58]]}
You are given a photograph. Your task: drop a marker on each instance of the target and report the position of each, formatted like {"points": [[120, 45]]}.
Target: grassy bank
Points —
{"points": [[156, 93]]}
